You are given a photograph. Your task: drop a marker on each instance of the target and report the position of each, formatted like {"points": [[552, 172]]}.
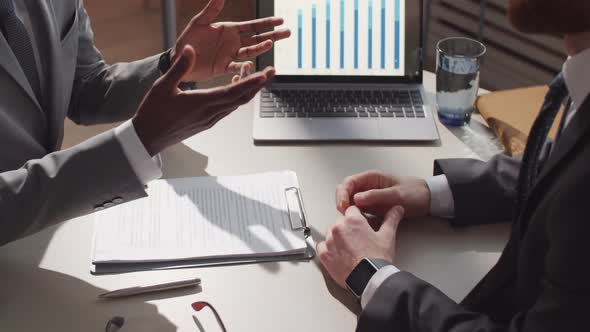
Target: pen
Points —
{"points": [[151, 288]]}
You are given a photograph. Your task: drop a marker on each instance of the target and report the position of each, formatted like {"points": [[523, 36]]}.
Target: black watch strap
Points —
{"points": [[359, 278], [164, 66]]}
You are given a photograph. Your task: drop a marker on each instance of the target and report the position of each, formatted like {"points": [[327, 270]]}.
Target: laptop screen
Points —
{"points": [[346, 40]]}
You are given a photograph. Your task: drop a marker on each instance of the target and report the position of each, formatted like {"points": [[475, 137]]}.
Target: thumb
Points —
{"points": [[180, 68], [376, 197], [391, 221], [210, 12]]}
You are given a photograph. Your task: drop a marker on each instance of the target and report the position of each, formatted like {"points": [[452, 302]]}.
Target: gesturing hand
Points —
{"points": [[376, 193], [351, 239], [168, 116], [222, 47]]}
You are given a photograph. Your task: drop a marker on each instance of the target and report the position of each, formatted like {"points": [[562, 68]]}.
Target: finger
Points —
{"points": [[391, 222], [235, 79], [270, 73], [246, 98], [219, 109], [359, 183], [225, 94], [354, 212], [247, 69], [271, 35], [322, 251], [180, 68], [254, 50], [237, 67], [210, 12], [243, 98], [342, 199], [261, 24], [374, 197]]}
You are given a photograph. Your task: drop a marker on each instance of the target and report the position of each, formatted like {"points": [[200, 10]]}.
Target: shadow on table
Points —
{"points": [[181, 161], [32, 297], [480, 139], [339, 293], [427, 245]]}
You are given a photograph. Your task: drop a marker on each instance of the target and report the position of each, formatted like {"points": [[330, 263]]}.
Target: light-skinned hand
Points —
{"points": [[168, 116], [224, 47], [376, 193], [351, 239]]}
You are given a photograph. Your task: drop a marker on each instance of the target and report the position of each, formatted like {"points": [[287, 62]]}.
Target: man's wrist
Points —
{"points": [[166, 60], [359, 278], [375, 283], [146, 167], [145, 138]]}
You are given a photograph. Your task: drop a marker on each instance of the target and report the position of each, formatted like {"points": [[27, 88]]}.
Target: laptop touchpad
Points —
{"points": [[345, 129]]}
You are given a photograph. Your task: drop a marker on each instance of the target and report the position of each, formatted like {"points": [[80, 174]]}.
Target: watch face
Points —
{"points": [[360, 277]]}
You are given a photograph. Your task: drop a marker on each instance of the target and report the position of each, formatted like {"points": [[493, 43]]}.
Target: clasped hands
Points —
{"points": [[354, 236], [203, 51]]}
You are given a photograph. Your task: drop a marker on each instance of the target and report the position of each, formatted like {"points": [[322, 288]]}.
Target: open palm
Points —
{"points": [[224, 47]]}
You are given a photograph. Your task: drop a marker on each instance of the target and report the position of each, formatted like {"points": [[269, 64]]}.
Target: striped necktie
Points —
{"points": [[531, 162], [19, 40]]}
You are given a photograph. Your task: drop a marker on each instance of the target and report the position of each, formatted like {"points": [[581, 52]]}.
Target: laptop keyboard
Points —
{"points": [[286, 103]]}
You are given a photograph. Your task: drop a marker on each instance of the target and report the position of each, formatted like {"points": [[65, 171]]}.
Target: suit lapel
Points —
{"points": [[578, 127], [9, 63], [573, 133]]}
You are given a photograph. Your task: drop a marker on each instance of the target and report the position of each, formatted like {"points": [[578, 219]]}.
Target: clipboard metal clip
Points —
{"points": [[297, 215]]}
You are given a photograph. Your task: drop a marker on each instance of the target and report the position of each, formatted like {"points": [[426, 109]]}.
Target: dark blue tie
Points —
{"points": [[19, 40], [531, 162]]}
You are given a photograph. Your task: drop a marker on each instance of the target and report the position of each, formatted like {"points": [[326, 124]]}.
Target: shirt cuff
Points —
{"points": [[442, 203], [376, 281], [145, 167]]}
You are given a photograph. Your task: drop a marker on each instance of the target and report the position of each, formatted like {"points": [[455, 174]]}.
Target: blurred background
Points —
{"points": [[132, 29]]}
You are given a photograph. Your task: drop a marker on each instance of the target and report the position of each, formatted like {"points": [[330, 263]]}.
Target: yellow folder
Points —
{"points": [[511, 114]]}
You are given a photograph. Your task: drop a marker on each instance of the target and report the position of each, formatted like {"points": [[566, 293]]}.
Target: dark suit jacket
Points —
{"points": [[542, 280]]}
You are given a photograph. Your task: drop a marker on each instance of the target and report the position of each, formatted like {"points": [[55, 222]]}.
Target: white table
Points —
{"points": [[46, 285]]}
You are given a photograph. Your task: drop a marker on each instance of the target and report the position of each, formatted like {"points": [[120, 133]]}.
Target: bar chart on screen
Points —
{"points": [[342, 37]]}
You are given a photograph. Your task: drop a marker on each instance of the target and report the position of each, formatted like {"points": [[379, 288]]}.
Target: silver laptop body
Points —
{"points": [[339, 107]]}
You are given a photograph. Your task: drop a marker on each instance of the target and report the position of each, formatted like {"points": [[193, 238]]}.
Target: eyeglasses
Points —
{"points": [[198, 306]]}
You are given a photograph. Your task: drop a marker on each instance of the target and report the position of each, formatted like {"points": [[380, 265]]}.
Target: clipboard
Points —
{"points": [[297, 219]]}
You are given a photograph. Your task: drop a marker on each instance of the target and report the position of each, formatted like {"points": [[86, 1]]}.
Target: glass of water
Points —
{"points": [[458, 64]]}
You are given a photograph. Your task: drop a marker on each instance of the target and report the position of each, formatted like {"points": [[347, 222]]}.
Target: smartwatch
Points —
{"points": [[164, 66], [359, 278]]}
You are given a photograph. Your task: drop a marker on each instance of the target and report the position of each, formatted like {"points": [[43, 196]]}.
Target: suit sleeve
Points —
{"points": [[406, 303], [106, 93], [64, 185], [483, 192]]}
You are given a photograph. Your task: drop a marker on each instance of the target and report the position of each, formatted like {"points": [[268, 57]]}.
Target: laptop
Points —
{"points": [[351, 71]]}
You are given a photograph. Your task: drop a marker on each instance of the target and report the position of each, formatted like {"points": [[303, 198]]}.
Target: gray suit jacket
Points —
{"points": [[39, 185], [541, 282]]}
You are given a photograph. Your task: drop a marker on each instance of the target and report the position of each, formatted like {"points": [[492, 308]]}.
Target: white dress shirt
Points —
{"points": [[145, 167], [576, 71]]}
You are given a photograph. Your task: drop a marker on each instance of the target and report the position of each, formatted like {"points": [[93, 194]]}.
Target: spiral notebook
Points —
{"points": [[205, 221]]}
